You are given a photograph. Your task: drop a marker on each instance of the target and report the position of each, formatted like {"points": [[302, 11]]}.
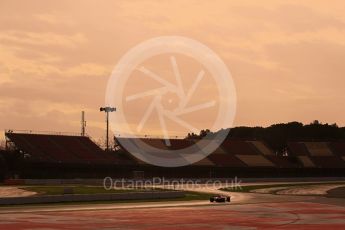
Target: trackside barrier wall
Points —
{"points": [[91, 197]]}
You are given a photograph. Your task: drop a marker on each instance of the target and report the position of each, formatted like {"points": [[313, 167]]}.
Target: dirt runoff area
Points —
{"points": [[307, 190], [9, 191]]}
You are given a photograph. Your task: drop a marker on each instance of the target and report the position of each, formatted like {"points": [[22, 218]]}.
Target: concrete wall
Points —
{"points": [[91, 197]]}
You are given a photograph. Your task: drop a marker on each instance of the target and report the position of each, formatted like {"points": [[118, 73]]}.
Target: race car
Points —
{"points": [[220, 198]]}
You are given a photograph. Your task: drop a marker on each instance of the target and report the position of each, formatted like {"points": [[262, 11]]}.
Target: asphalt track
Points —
{"points": [[247, 211]]}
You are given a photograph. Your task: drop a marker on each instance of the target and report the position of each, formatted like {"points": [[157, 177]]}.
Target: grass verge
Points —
{"points": [[80, 189], [189, 196], [59, 190]]}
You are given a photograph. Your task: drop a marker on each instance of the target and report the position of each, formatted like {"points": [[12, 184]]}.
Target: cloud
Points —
{"points": [[286, 58], [53, 19], [42, 39], [88, 69]]}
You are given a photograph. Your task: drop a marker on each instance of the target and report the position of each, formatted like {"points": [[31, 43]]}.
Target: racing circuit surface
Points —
{"points": [[246, 211]]}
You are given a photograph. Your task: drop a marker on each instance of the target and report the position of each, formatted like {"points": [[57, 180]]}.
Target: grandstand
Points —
{"points": [[297, 149], [279, 161], [338, 148], [318, 154], [318, 149], [204, 162], [174, 144], [61, 149], [241, 153], [78, 156], [3, 165], [222, 158], [283, 161], [261, 147], [306, 162], [255, 157], [234, 153], [231, 153]]}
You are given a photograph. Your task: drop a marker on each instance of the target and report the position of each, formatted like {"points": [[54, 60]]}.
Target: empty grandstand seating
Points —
{"points": [[238, 153], [157, 143], [297, 148], [161, 144], [239, 147], [231, 153], [318, 149], [219, 156], [180, 144], [338, 148], [255, 160], [246, 152], [204, 162], [61, 149], [27, 144], [147, 145], [226, 160], [278, 161], [161, 149], [262, 148], [318, 154], [328, 162], [306, 161], [283, 161]]}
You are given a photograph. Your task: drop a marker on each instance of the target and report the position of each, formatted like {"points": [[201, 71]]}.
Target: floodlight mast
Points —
{"points": [[107, 110], [83, 123]]}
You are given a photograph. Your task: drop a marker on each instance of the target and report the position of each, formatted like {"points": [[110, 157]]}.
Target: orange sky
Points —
{"points": [[287, 58]]}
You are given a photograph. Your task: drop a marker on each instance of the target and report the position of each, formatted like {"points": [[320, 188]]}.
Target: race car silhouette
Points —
{"points": [[220, 198]]}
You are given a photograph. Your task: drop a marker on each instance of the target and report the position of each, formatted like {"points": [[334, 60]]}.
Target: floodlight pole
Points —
{"points": [[83, 123], [107, 110]]}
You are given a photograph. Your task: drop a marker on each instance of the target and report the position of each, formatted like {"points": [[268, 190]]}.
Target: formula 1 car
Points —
{"points": [[220, 198]]}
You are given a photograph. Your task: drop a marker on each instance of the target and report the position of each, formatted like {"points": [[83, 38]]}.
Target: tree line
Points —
{"points": [[277, 135]]}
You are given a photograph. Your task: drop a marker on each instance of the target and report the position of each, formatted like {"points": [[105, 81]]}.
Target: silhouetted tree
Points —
{"points": [[277, 135], [203, 133]]}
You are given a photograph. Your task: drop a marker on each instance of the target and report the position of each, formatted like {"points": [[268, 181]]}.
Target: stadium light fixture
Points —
{"points": [[107, 110]]}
